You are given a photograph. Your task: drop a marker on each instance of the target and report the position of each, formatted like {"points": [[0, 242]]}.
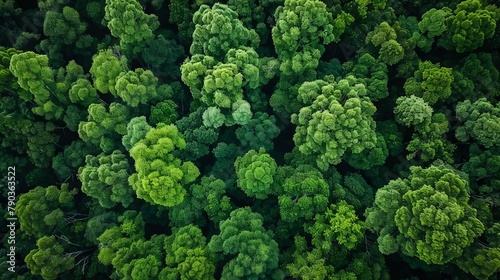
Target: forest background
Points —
{"points": [[250, 139]]}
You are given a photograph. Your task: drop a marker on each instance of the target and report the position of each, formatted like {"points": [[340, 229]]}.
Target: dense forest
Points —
{"points": [[250, 139]]}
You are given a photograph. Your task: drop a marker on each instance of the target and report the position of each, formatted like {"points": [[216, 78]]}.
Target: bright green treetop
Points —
{"points": [[338, 118], [255, 171], [254, 254], [127, 21], [427, 215], [160, 176], [481, 121]]}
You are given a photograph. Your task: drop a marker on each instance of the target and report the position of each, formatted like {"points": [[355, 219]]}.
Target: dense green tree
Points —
{"points": [[127, 21], [188, 256], [372, 73], [48, 259], [106, 66], [481, 121], [160, 176], [217, 30], [197, 136], [339, 224], [43, 210], [138, 86], [105, 125], [254, 254], [105, 177], [255, 171], [326, 128], [384, 37], [430, 82], [470, 24], [426, 215], [304, 194], [413, 111]]}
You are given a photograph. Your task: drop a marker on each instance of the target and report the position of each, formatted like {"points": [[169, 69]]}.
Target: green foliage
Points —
{"points": [[127, 21], [339, 118], [41, 210], [481, 72], [48, 260], [481, 263], [302, 29], [308, 265], [481, 121], [469, 25], [105, 125], [413, 111], [354, 190], [434, 21], [217, 30], [304, 194], [253, 252], [197, 136], [160, 175], [338, 225], [130, 228], [384, 36], [250, 123], [427, 215], [259, 132], [104, 177], [136, 87], [106, 67], [136, 131], [255, 171], [82, 92], [430, 82], [372, 73], [188, 256], [164, 112]]}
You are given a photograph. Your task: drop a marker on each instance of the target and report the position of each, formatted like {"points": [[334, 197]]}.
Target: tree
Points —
{"points": [[430, 82], [480, 121], [372, 73], [197, 136], [82, 92], [216, 203], [308, 264], [105, 125], [338, 117], [105, 177], [106, 67], [384, 36], [160, 175], [188, 256], [138, 86], [469, 25], [255, 171], [302, 29], [130, 228], [127, 21], [62, 29], [43, 210], [254, 254], [413, 111], [217, 30], [433, 21], [259, 132], [339, 224], [426, 215], [34, 75], [48, 260], [137, 129], [304, 194]]}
